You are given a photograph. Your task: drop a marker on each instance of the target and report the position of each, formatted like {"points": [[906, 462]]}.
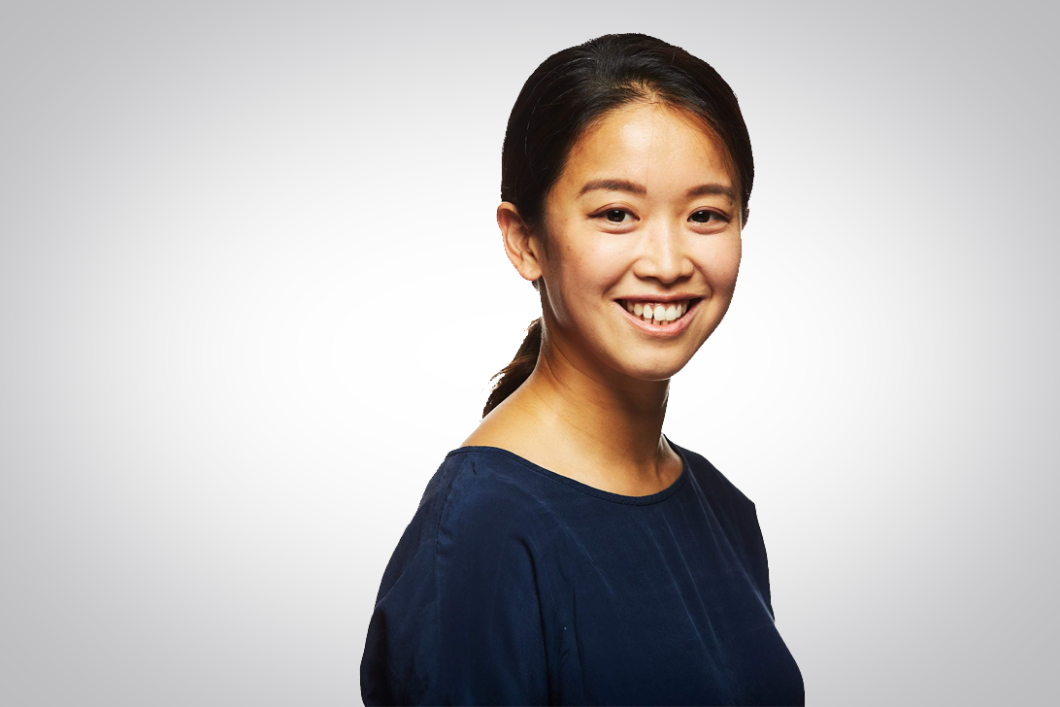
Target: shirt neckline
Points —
{"points": [[586, 488]]}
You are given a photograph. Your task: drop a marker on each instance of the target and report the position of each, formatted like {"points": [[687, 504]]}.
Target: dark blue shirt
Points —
{"points": [[516, 585]]}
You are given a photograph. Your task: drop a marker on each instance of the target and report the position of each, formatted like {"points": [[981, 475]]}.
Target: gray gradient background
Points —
{"points": [[252, 290]]}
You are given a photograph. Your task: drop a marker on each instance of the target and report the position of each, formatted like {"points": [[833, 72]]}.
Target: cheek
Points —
{"points": [[596, 262], [581, 276], [720, 264]]}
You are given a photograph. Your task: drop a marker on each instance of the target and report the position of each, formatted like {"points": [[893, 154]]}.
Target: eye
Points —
{"points": [[613, 215], [705, 216]]}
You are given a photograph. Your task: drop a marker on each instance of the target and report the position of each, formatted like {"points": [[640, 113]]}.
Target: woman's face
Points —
{"points": [[645, 211]]}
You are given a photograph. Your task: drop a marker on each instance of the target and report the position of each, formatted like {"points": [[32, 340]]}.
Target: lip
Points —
{"points": [[679, 297], [662, 331]]}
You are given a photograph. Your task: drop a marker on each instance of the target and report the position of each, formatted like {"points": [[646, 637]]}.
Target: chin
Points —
{"points": [[658, 372]]}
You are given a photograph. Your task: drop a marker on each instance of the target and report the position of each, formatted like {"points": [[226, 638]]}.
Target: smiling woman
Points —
{"points": [[643, 213], [569, 552]]}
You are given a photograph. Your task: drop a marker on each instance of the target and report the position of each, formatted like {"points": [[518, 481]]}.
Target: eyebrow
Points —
{"points": [[633, 188]]}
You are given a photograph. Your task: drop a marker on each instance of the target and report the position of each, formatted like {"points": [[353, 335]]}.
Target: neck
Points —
{"points": [[598, 413]]}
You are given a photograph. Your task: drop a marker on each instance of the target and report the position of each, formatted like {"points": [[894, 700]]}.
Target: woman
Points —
{"points": [[569, 552]]}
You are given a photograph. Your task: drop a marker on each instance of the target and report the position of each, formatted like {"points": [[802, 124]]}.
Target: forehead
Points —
{"points": [[651, 144]]}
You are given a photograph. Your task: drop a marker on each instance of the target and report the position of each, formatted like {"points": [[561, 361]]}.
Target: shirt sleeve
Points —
{"points": [[462, 624]]}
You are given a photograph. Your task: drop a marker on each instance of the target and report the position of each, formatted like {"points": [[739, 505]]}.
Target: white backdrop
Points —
{"points": [[252, 291]]}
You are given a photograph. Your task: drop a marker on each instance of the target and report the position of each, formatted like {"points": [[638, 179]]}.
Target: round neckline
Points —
{"points": [[586, 488]]}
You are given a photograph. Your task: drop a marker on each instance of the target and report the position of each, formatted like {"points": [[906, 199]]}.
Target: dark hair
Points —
{"points": [[569, 94]]}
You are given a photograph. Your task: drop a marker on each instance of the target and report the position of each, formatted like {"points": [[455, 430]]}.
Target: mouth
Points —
{"points": [[660, 318]]}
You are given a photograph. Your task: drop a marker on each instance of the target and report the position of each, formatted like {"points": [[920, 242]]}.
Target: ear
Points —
{"points": [[522, 248]]}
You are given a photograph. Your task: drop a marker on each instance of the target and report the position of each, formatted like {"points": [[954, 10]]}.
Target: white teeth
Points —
{"points": [[658, 313]]}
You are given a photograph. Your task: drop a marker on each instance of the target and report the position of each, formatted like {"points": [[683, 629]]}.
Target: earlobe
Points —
{"points": [[519, 245]]}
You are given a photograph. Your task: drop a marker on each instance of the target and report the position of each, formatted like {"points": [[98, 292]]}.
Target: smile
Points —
{"points": [[662, 318]]}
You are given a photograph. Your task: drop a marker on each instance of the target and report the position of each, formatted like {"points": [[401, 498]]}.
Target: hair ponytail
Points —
{"points": [[513, 375]]}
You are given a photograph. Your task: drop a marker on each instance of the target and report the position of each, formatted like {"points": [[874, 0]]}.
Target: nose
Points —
{"points": [[663, 254]]}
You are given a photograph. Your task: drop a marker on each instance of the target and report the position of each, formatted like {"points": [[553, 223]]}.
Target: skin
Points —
{"points": [[593, 408]]}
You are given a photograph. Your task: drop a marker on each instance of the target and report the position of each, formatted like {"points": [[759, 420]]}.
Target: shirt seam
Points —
{"points": [[442, 517], [437, 583]]}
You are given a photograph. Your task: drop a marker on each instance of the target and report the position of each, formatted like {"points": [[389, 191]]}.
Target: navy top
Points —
{"points": [[516, 585]]}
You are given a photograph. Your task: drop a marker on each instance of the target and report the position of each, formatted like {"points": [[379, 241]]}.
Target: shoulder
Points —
{"points": [[477, 500], [489, 492], [457, 615], [732, 508], [713, 482], [457, 492], [736, 514]]}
